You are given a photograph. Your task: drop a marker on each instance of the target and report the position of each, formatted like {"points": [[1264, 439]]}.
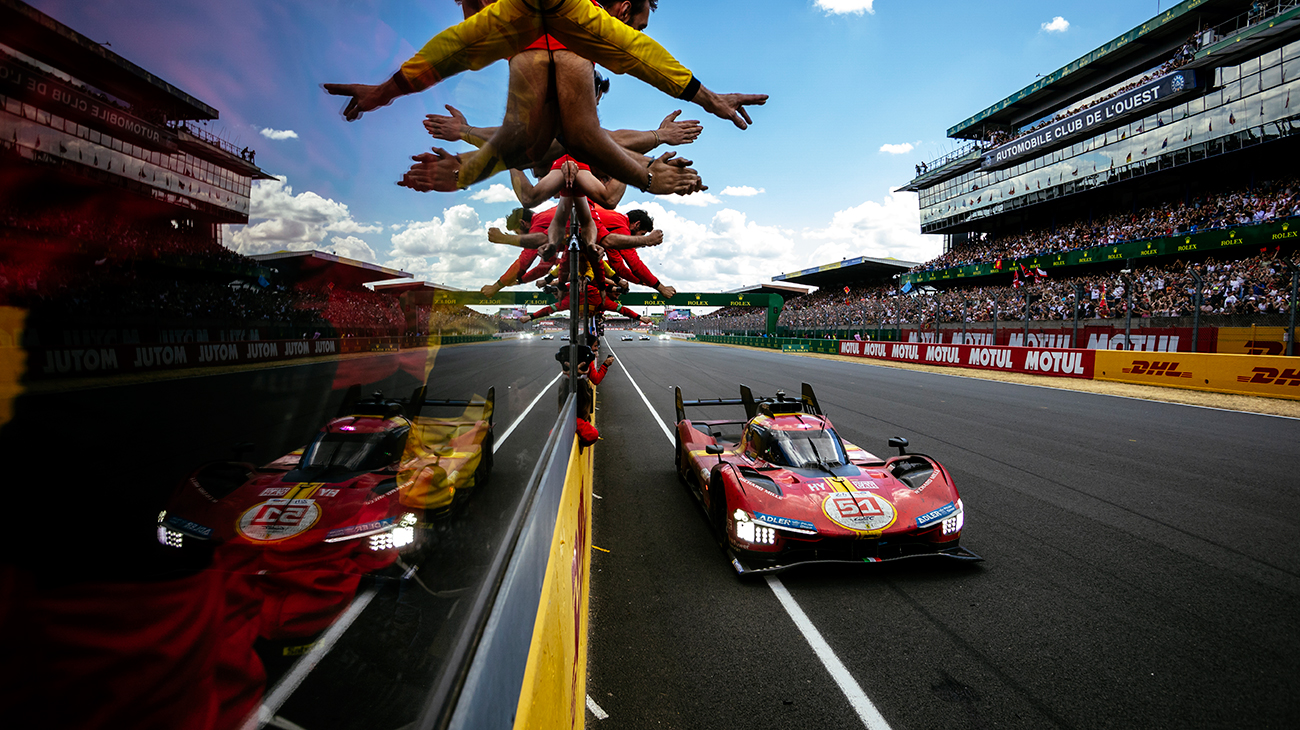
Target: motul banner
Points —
{"points": [[1036, 361], [66, 362]]}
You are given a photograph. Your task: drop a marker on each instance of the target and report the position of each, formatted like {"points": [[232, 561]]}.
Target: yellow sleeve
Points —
{"points": [[506, 26]]}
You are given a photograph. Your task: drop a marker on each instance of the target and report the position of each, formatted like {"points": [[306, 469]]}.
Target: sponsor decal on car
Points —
{"points": [[863, 484], [861, 512], [936, 516], [274, 492], [362, 529], [790, 522], [188, 527], [278, 519]]}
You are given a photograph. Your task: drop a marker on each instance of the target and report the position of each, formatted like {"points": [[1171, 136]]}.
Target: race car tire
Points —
{"points": [[718, 504], [483, 473], [678, 462]]}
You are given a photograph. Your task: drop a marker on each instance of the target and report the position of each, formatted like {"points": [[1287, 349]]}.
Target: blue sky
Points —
{"points": [[849, 80]]}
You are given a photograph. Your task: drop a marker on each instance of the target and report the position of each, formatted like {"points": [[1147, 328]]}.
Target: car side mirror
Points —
{"points": [[714, 450], [900, 443]]}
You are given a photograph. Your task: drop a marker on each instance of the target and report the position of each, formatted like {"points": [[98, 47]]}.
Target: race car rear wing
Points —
{"points": [[418, 402], [412, 406], [807, 403]]}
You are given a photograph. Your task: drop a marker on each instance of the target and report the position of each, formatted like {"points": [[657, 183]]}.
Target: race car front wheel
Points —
{"points": [[680, 462]]}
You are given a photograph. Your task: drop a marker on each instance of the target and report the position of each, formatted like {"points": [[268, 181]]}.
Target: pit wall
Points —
{"points": [[1226, 340], [1272, 376], [1265, 375]]}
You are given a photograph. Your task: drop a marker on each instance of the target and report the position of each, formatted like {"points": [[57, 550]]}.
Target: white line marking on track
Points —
{"points": [[497, 446], [667, 432], [862, 705], [289, 683], [595, 709], [870, 716]]}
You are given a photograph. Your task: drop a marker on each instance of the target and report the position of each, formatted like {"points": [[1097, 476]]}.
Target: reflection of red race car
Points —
{"points": [[367, 480], [790, 491]]}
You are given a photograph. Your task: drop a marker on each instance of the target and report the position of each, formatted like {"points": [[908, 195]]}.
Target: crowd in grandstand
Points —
{"points": [[1265, 202], [1256, 285]]}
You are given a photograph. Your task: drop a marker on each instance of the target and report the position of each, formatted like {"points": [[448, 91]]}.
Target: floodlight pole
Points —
{"points": [[964, 317], [574, 307], [1128, 307], [1290, 333], [1196, 309], [1074, 338]]}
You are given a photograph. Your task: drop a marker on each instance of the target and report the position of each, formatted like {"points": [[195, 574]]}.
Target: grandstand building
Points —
{"points": [[1202, 100]]}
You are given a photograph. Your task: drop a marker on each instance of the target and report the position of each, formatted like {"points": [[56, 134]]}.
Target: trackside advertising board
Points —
{"points": [[1056, 362], [57, 362], [1276, 377]]}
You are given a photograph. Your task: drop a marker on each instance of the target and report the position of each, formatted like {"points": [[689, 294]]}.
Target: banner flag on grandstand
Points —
{"points": [[1231, 118], [1040, 273], [907, 287], [1107, 114], [1165, 143], [262, 280], [1015, 279]]}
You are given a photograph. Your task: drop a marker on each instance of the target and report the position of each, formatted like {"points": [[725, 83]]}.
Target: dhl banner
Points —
{"points": [[554, 691], [1276, 377], [1252, 340], [1037, 361]]}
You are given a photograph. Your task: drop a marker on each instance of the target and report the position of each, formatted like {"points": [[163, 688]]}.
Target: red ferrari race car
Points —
{"points": [[361, 490], [790, 491]]}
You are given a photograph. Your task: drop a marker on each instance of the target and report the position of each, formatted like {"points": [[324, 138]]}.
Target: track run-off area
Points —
{"points": [[1142, 564]]}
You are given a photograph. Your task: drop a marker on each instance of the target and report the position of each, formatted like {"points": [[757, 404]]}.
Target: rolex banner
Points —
{"points": [[1145, 99]]}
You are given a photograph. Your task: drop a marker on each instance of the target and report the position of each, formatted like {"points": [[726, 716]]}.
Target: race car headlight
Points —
{"points": [[168, 536], [752, 532], [398, 537], [953, 524]]}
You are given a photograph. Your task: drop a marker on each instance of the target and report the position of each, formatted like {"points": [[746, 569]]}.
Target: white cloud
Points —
{"points": [[279, 133], [451, 250], [896, 149], [352, 248], [886, 229], [1058, 25], [695, 200], [282, 221], [727, 252], [496, 193], [743, 191], [843, 7]]}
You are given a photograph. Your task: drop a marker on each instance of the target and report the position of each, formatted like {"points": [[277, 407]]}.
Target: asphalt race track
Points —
{"points": [[1142, 566]]}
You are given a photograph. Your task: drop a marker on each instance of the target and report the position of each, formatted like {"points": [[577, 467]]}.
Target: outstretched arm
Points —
{"points": [[669, 132]]}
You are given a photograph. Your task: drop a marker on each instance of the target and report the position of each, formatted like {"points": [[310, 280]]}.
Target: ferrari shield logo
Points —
{"points": [[859, 511], [278, 519]]}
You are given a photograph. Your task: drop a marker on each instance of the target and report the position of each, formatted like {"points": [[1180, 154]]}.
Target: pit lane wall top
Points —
{"points": [[1271, 376]]}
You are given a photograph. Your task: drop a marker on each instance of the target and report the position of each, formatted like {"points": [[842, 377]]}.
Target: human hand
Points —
{"points": [[364, 98], [674, 175], [495, 235], [653, 238], [730, 106], [439, 170], [570, 172], [450, 128], [609, 361], [673, 132]]}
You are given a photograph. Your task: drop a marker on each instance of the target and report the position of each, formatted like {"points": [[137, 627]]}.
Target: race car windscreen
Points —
{"points": [[809, 448], [354, 451]]}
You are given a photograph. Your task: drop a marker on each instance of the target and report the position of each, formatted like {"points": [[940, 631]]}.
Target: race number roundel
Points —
{"points": [[278, 519], [859, 511]]}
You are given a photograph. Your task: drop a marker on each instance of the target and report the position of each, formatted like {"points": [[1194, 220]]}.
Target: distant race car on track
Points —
{"points": [[790, 491], [645, 337], [626, 338]]}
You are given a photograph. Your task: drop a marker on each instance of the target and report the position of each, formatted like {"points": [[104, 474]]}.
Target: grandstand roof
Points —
{"points": [[317, 268], [786, 291], [1139, 49], [401, 287], [31, 32], [846, 272]]}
